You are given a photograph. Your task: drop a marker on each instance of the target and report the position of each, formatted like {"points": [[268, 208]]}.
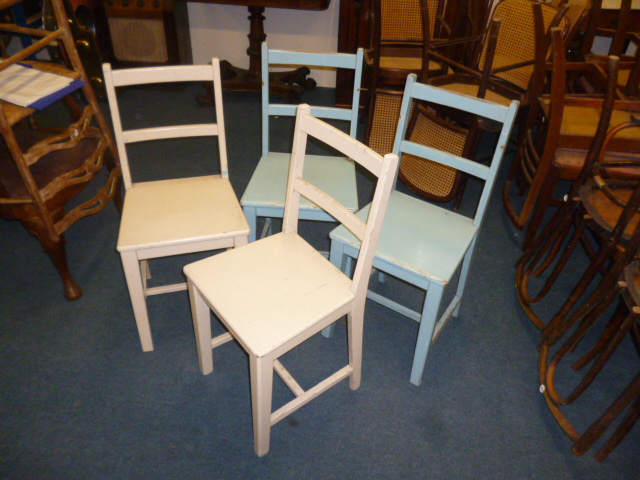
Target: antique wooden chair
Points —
{"points": [[508, 64], [545, 155], [621, 37], [402, 37], [277, 292], [43, 171], [265, 193], [421, 243], [516, 68], [174, 216], [589, 216], [581, 342]]}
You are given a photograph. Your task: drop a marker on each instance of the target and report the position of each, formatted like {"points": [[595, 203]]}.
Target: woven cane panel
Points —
{"points": [[385, 122], [432, 7], [516, 39], [401, 20], [431, 177]]}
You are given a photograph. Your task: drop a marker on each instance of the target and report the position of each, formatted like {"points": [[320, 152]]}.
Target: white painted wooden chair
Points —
{"points": [[425, 244], [173, 216], [265, 193], [277, 292]]}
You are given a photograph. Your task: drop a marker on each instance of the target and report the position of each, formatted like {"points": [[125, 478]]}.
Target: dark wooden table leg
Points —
{"points": [[289, 85]]}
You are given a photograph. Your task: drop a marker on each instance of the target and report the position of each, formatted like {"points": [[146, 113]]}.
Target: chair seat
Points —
{"points": [[270, 291], [268, 185], [418, 237], [180, 211]]}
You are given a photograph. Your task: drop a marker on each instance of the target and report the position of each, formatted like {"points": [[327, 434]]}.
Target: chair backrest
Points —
{"points": [[384, 168], [503, 115], [402, 21], [165, 75], [520, 38], [350, 61]]}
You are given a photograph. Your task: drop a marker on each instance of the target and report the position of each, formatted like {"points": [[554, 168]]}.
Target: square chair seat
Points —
{"points": [[268, 185], [420, 238], [270, 291], [180, 211]]}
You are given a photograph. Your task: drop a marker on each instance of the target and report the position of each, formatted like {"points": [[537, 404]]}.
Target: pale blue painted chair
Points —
{"points": [[265, 193], [425, 244]]}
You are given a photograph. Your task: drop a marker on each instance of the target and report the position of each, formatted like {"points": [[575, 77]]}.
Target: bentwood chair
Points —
{"points": [[172, 216], [424, 244], [277, 292], [265, 193], [514, 68], [587, 342]]}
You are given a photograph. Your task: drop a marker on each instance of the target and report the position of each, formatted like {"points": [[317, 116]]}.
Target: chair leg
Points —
{"points": [[261, 397], [202, 328], [344, 263], [135, 284], [464, 271], [252, 219], [425, 332], [355, 322]]}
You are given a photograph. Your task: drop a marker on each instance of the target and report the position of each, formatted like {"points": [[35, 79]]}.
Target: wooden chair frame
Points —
{"points": [[172, 216], [41, 201], [252, 291], [265, 193], [443, 240]]}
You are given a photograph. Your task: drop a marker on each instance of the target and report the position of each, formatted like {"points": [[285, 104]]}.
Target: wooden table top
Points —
{"points": [[293, 4]]}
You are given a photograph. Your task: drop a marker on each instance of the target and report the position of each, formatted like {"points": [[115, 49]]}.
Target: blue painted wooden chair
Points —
{"points": [[425, 244], [265, 193]]}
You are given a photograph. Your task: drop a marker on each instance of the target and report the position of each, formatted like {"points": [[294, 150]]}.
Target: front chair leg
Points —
{"points": [[261, 391], [202, 328], [425, 332]]}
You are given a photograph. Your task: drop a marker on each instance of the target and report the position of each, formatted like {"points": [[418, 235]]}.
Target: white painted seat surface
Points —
{"points": [[269, 292], [419, 237], [178, 211], [268, 185]]}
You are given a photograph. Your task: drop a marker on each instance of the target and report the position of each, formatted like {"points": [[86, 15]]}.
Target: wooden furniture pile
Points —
{"points": [[44, 170]]}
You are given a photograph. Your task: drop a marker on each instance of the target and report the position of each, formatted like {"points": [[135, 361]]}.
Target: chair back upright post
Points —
{"points": [[333, 60], [368, 232], [153, 75]]}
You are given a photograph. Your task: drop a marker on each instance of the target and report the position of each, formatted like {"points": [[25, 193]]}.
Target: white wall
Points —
{"points": [[221, 31]]}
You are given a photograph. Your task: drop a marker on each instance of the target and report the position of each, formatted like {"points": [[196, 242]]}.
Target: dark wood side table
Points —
{"points": [[285, 84]]}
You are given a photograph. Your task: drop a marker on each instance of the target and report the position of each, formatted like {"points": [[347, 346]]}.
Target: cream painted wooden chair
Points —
{"points": [[277, 292], [265, 193], [425, 244], [173, 216]]}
